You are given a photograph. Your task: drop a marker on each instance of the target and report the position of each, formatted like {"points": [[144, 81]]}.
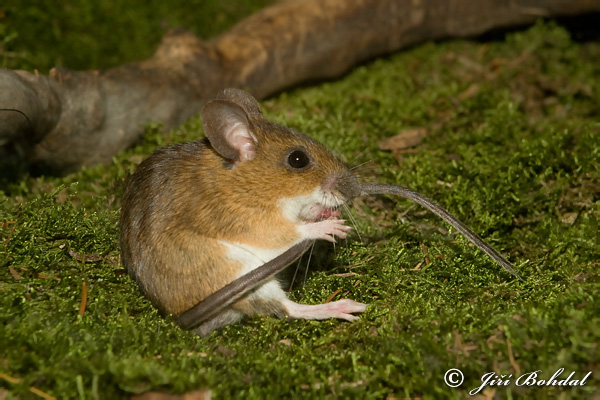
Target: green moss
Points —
{"points": [[85, 34], [512, 150]]}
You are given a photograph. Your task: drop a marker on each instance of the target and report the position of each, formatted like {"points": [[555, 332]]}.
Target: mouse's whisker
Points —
{"points": [[337, 202], [295, 273], [360, 165], [356, 157], [352, 220], [312, 247]]}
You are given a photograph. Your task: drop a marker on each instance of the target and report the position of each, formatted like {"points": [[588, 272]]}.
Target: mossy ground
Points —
{"points": [[512, 149]]}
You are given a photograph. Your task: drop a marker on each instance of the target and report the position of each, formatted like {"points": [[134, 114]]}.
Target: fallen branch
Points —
{"points": [[69, 119]]}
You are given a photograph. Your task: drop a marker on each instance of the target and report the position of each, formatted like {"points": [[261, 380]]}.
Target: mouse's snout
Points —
{"points": [[345, 184]]}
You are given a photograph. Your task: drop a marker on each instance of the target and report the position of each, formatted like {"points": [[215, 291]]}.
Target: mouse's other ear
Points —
{"points": [[242, 99], [227, 127]]}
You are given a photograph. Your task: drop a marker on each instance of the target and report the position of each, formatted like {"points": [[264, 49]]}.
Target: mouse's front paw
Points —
{"points": [[325, 229]]}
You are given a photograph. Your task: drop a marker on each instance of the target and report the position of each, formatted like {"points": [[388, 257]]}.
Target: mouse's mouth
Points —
{"points": [[313, 207], [319, 212], [329, 213]]}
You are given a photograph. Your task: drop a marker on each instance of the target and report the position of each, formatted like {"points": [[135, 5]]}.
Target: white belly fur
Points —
{"points": [[251, 258]]}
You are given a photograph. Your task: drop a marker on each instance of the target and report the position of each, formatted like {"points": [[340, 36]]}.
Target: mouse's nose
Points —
{"points": [[344, 183]]}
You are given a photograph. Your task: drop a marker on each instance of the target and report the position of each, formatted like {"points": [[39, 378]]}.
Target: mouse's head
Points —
{"points": [[285, 166]]}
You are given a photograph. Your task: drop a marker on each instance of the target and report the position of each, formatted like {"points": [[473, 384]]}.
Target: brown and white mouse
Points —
{"points": [[197, 216], [206, 225]]}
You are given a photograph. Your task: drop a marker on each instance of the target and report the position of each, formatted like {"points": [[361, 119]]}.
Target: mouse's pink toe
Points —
{"points": [[325, 229], [341, 309]]}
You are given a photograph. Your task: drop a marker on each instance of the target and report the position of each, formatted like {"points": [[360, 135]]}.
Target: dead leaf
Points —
{"points": [[460, 347], [470, 65], [85, 257], [469, 92], [406, 139], [345, 275], [14, 273], [360, 262], [332, 295], [32, 389], [417, 267], [62, 196], [511, 358], [83, 302], [226, 351], [425, 253], [569, 218]]}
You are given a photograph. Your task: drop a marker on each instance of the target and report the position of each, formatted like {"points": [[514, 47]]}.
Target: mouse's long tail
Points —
{"points": [[445, 215]]}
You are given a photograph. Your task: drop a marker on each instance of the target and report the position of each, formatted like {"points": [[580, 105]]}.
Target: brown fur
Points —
{"points": [[184, 199]]}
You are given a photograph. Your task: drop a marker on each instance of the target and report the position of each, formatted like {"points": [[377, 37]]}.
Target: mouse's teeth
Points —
{"points": [[329, 212]]}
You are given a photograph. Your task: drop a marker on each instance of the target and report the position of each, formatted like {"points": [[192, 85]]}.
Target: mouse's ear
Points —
{"points": [[242, 99], [227, 127]]}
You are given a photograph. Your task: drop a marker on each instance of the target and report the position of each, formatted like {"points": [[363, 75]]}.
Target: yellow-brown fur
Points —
{"points": [[185, 201]]}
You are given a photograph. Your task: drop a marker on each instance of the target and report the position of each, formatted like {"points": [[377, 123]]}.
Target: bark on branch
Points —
{"points": [[84, 118]]}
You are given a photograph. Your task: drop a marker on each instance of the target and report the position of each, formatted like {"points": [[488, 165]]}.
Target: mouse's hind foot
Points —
{"points": [[342, 309]]}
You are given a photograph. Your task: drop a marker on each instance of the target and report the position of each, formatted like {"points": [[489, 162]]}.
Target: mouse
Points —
{"points": [[207, 225], [198, 216]]}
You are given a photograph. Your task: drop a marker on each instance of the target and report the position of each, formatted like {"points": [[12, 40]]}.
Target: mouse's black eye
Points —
{"points": [[298, 159]]}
